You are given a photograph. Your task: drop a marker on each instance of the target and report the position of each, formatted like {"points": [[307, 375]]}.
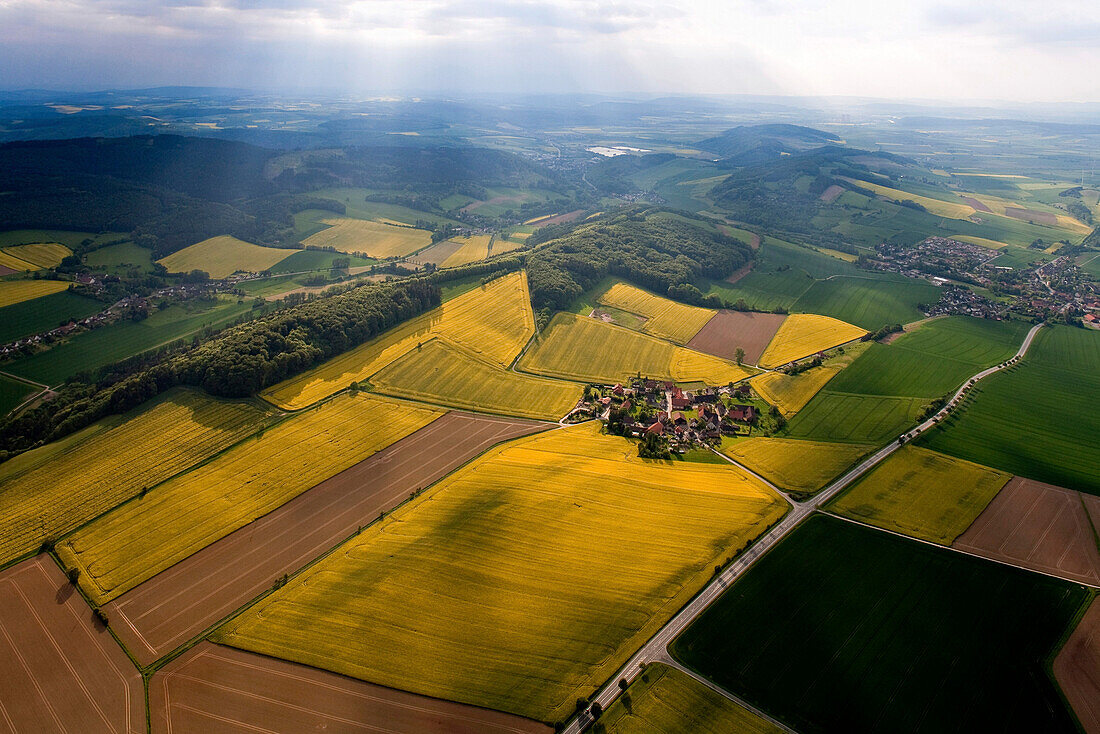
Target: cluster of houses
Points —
{"points": [[684, 418]]}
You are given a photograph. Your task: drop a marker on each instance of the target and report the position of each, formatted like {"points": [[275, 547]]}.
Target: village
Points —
{"points": [[672, 420]]}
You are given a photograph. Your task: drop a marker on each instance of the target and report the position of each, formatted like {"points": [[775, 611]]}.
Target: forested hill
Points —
{"points": [[756, 143], [660, 250], [171, 191]]}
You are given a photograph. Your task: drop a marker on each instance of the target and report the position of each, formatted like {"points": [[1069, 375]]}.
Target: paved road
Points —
{"points": [[656, 649]]}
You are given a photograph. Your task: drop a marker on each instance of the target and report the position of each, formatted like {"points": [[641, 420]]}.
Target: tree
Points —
{"points": [[739, 355]]}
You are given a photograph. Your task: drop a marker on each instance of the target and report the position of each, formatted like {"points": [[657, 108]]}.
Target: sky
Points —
{"points": [[1012, 50]]}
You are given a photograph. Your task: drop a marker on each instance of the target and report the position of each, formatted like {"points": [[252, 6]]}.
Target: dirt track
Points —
{"points": [[60, 670], [218, 689], [729, 330], [182, 601], [1077, 669], [1037, 526]]}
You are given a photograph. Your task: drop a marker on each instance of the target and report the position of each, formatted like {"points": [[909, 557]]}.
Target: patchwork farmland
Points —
{"points": [[859, 594], [729, 331], [179, 603], [141, 538], [222, 256], [492, 538], [33, 257], [797, 466], [801, 335], [18, 291], [375, 239], [664, 318]]}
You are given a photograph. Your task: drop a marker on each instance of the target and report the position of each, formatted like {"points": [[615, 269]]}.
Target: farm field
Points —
{"points": [[790, 393], [803, 467], [471, 249], [1034, 419], [222, 256], [801, 335], [120, 258], [867, 303], [437, 254], [951, 210], [373, 238], [91, 350], [505, 540], [1039, 526], [1075, 669], [979, 241], [44, 313], [934, 360], [664, 318], [18, 291], [358, 207], [843, 628], [12, 393], [213, 689], [303, 260], [493, 320], [179, 603], [921, 493], [728, 330], [870, 419], [664, 700], [141, 538], [65, 237], [61, 670], [33, 257], [587, 350], [444, 374], [48, 491]]}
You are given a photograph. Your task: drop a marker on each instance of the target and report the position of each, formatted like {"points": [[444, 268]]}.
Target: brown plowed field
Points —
{"points": [[830, 194], [1037, 526], [1031, 215], [562, 218], [728, 330], [1077, 669], [977, 204], [218, 689], [182, 601], [60, 670]]}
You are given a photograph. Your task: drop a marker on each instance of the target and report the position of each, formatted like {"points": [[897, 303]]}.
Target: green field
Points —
{"points": [[45, 313], [870, 419], [663, 700], [16, 237], [359, 208], [106, 345], [1037, 419], [842, 628], [868, 303], [921, 493], [120, 259], [12, 393], [933, 360], [316, 260]]}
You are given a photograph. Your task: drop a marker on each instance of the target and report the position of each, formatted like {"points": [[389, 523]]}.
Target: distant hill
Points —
{"points": [[750, 144]]}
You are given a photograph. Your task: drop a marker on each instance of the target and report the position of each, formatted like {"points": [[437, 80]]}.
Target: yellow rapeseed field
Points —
{"points": [[377, 239], [474, 248], [790, 393], [522, 581], [224, 255], [442, 373], [665, 318], [979, 241], [47, 492], [141, 538], [803, 334], [17, 291], [795, 465], [922, 493], [948, 209], [494, 321], [588, 350], [34, 257]]}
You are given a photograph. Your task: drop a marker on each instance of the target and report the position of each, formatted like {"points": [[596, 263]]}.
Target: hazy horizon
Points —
{"points": [[928, 50]]}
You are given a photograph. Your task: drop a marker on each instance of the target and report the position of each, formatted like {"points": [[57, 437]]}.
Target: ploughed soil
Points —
{"points": [[1037, 526], [561, 218], [60, 669], [728, 330], [5, 270], [830, 194], [182, 601], [1031, 215], [977, 204], [1077, 669], [219, 689]]}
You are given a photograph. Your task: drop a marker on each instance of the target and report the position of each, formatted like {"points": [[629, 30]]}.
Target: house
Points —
{"points": [[662, 416], [656, 428], [677, 392], [605, 402], [617, 390], [678, 419], [626, 406], [705, 398], [669, 386], [680, 403], [743, 413]]}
